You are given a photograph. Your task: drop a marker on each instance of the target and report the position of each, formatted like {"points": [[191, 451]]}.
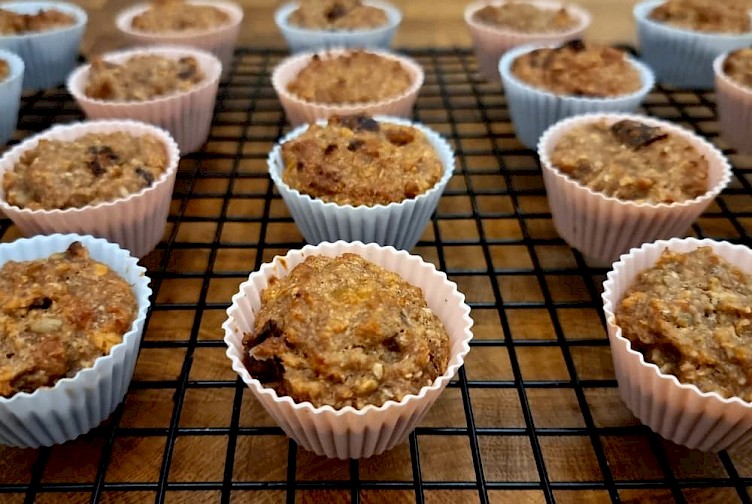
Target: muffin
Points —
{"points": [[310, 25], [356, 178], [545, 84], [11, 81], [46, 36], [316, 86], [62, 370], [354, 418], [679, 39], [497, 26], [677, 313], [111, 179], [171, 87], [615, 181], [733, 91], [211, 26]]}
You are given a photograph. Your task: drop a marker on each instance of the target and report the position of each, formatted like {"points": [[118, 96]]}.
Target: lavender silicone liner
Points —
{"points": [[10, 95], [349, 432], [397, 224], [681, 58], [677, 411], [603, 227], [135, 222], [302, 39], [532, 110], [734, 103], [73, 406], [186, 115], [491, 42], [49, 56]]}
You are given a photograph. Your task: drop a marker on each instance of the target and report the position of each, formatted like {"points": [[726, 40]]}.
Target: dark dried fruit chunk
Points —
{"points": [[264, 370], [329, 149], [636, 135], [337, 11], [355, 145], [75, 249], [360, 123], [42, 303], [146, 175], [102, 157], [187, 68], [400, 137], [576, 45]]}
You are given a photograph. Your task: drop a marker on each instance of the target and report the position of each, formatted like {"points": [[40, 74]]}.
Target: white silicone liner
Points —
{"points": [[299, 111], [136, 222], [186, 115], [681, 58], [677, 411], [347, 432], [10, 95], [51, 55], [532, 110], [491, 42], [73, 406], [734, 103], [219, 41], [398, 224], [303, 39], [603, 227]]}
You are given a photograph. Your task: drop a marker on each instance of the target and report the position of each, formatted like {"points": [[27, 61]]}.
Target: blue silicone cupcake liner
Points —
{"points": [[10, 95]]}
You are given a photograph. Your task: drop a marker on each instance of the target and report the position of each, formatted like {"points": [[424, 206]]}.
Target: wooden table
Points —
{"points": [[534, 416]]}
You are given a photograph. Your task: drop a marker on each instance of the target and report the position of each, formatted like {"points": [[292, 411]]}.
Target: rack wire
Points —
{"points": [[534, 415]]}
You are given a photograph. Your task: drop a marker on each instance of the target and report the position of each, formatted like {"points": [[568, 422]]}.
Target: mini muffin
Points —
{"points": [[73, 310], [546, 84], [11, 83], [679, 39], [315, 86], [46, 36], [615, 181], [347, 345], [733, 90], [497, 26], [171, 87], [164, 16], [336, 15], [356, 178], [678, 315]]}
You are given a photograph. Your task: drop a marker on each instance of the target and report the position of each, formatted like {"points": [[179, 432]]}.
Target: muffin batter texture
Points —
{"points": [[14, 23], [179, 16], [710, 16], [525, 18], [337, 15]]}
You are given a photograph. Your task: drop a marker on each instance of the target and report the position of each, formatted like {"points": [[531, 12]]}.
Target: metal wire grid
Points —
{"points": [[508, 429]]}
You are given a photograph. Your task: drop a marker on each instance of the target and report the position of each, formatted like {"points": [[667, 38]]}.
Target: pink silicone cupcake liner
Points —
{"points": [[734, 103]]}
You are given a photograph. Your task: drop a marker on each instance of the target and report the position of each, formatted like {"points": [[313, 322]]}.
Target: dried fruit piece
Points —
{"points": [[636, 135]]}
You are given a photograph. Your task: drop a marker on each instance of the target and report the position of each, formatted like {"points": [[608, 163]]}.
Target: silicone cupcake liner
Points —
{"points": [[49, 56], [135, 222], [398, 224], [681, 58], [734, 103], [533, 110], [347, 432], [677, 411], [490, 43], [73, 406], [219, 41], [302, 39], [603, 227], [10, 95], [186, 115], [299, 111]]}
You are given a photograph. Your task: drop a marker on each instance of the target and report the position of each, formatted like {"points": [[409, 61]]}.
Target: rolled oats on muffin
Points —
{"points": [[526, 17], [179, 16], [336, 15], [17, 23]]}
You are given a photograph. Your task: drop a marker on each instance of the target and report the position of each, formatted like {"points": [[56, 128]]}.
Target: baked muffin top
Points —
{"points": [[738, 66], [58, 315], [578, 69], [345, 332], [712, 16], [14, 23], [352, 77], [93, 168], [4, 70], [336, 15], [179, 16], [691, 315], [142, 77], [526, 18], [358, 161], [632, 161]]}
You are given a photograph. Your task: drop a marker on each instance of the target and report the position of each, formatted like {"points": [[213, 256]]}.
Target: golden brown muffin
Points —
{"points": [[4, 70], [526, 18], [178, 16], [711, 16], [738, 66], [336, 15], [13, 23]]}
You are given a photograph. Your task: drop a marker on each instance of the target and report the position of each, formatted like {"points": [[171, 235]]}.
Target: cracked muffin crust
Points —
{"points": [[526, 18], [710, 16], [345, 332], [57, 316], [179, 16], [336, 15], [14, 23]]}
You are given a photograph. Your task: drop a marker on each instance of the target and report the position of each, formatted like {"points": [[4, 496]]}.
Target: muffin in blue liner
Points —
{"points": [[10, 95]]}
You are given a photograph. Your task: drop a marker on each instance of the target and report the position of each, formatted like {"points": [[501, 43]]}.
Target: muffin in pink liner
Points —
{"points": [[734, 102], [349, 432], [397, 224], [603, 227], [300, 111], [219, 41], [680, 412], [491, 42], [187, 115], [135, 222], [73, 406]]}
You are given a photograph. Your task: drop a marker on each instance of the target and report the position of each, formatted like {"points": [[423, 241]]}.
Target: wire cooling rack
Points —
{"points": [[534, 415]]}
